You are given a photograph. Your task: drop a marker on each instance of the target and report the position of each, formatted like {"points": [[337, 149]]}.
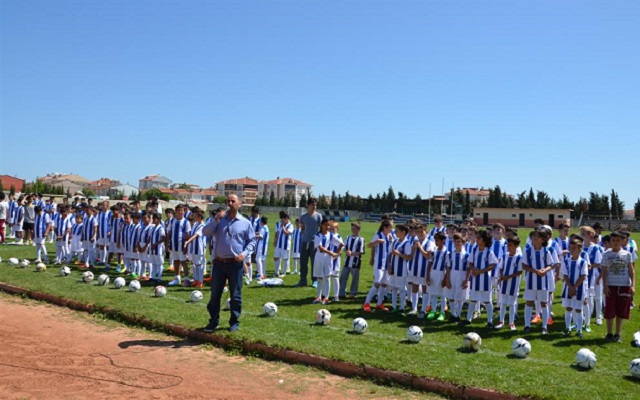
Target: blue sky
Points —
{"points": [[346, 95]]}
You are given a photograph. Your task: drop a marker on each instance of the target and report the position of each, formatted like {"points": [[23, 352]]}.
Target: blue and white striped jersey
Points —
{"points": [[538, 260], [511, 265], [197, 245], [104, 220], [177, 231], [381, 251], [574, 269], [41, 223], [440, 260], [399, 264], [482, 260], [284, 240]]}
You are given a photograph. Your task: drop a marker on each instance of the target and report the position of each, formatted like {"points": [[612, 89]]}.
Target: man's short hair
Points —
{"points": [[312, 200]]}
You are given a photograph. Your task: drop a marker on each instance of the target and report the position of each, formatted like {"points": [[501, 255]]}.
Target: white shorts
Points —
{"points": [[483, 296], [120, 250], [281, 253], [321, 265], [399, 282], [39, 240], [86, 245], [436, 289], [335, 267], [134, 255], [417, 280], [508, 299], [380, 276], [103, 242], [197, 259], [551, 280], [596, 291], [536, 295], [573, 303], [457, 293], [295, 255], [157, 259], [112, 247], [17, 228], [178, 256]]}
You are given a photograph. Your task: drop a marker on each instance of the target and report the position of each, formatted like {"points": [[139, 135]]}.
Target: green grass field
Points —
{"points": [[547, 373]]}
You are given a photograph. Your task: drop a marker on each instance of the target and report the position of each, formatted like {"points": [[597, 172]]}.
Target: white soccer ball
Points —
{"points": [[521, 348], [13, 262], [323, 317], [414, 334], [270, 309], [360, 325], [103, 279], [87, 276], [119, 283], [65, 271], [160, 291], [41, 267], [472, 341], [134, 286], [24, 263], [586, 359], [196, 296], [634, 368]]}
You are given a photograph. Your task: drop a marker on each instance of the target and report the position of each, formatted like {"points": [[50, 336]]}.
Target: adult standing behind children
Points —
{"points": [[310, 224], [234, 241]]}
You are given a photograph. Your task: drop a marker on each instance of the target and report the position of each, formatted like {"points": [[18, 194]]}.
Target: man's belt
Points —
{"points": [[225, 260]]}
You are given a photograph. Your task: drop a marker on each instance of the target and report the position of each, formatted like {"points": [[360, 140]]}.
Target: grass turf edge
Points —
{"points": [[338, 367]]}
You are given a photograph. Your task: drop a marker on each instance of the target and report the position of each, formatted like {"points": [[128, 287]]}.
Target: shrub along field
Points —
{"points": [[549, 371]]}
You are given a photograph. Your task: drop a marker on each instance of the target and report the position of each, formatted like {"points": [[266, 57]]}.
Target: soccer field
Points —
{"points": [[549, 371]]}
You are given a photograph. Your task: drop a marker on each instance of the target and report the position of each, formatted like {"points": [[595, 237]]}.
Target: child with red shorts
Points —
{"points": [[618, 285]]}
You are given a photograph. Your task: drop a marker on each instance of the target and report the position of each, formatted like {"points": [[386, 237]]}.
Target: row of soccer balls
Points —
{"points": [[14, 262], [520, 347]]}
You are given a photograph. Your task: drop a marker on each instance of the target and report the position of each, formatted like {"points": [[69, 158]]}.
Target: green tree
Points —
{"points": [[303, 201], [154, 192], [531, 199], [334, 200], [323, 202], [1, 188], [12, 190], [272, 199], [87, 192], [617, 206], [636, 209]]}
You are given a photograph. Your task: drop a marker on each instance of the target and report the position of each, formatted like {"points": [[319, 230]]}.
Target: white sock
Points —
{"points": [[598, 301], [286, 267], [528, 311], [277, 266], [545, 317], [512, 313], [370, 295], [295, 264], [503, 312], [335, 280], [588, 308], [319, 288], [489, 307], [470, 311], [567, 319], [414, 301], [381, 293], [403, 298], [394, 297], [425, 301], [578, 317], [326, 287]]}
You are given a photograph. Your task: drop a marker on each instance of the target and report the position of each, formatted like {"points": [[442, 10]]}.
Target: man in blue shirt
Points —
{"points": [[234, 241]]}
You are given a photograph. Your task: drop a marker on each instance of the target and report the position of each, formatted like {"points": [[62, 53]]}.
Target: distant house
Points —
{"points": [[520, 217], [126, 190], [71, 183], [8, 181], [475, 194], [102, 186], [281, 187], [154, 181], [245, 188]]}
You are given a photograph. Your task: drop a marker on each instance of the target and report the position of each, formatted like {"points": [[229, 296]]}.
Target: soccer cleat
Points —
{"points": [[527, 329], [567, 333], [476, 315], [366, 307], [325, 301], [135, 276], [599, 321], [210, 328], [208, 279], [170, 268], [428, 308], [500, 325], [193, 283], [118, 270], [587, 329], [106, 269], [431, 315], [617, 338], [579, 334], [440, 317], [317, 300], [315, 285], [421, 315], [351, 296], [490, 325], [550, 321], [512, 327], [609, 337], [544, 331], [174, 282], [464, 322], [381, 307], [536, 319]]}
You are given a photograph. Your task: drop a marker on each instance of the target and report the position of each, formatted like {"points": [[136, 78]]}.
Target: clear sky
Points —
{"points": [[345, 95]]}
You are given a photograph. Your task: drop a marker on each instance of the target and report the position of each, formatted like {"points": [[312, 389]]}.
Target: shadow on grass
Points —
{"points": [[631, 378], [157, 343], [585, 342], [580, 369]]}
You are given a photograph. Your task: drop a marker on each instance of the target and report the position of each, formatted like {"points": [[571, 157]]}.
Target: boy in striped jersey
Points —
{"points": [[323, 242], [133, 240], [143, 248], [295, 251], [196, 249], [481, 263], [562, 241], [436, 271], [509, 282], [594, 291], [334, 273], [354, 249], [76, 237], [114, 234], [401, 253], [537, 262], [104, 225], [51, 208], [89, 233], [380, 250], [423, 249], [42, 227], [62, 228], [439, 227], [574, 275], [169, 213], [283, 244], [18, 220], [457, 278], [178, 233], [156, 250], [262, 247]]}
